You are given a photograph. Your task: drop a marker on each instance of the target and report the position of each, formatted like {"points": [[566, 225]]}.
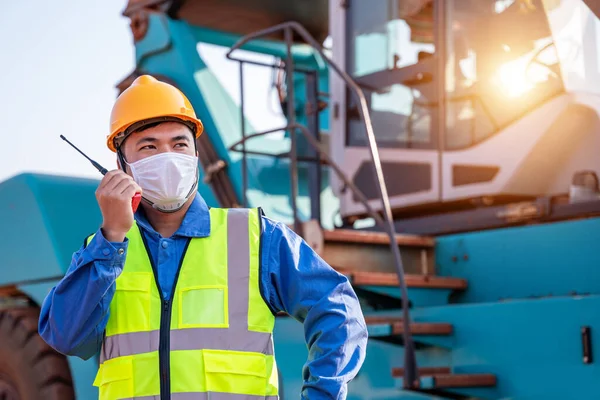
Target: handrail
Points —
{"points": [[315, 144], [410, 370]]}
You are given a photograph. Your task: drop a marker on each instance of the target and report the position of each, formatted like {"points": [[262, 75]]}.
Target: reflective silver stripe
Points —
{"points": [[144, 398], [208, 396], [187, 339], [238, 268], [127, 344], [238, 275], [221, 339]]}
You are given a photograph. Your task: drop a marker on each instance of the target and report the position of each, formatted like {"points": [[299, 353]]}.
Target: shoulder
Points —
{"points": [[278, 235], [272, 232], [271, 224]]}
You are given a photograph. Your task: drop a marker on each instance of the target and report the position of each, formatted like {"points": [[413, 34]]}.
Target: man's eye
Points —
{"points": [[147, 147], [181, 144]]}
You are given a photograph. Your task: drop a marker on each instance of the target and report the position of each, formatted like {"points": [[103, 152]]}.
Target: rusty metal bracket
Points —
{"points": [[309, 108], [313, 235], [520, 212], [139, 24], [138, 13], [213, 169], [134, 6]]}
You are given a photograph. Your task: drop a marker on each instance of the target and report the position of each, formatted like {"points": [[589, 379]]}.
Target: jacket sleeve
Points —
{"points": [[75, 312], [296, 280]]}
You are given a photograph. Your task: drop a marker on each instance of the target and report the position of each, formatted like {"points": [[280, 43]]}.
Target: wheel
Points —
{"points": [[29, 368]]}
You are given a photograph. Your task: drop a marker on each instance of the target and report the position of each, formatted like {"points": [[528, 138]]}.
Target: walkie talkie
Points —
{"points": [[135, 200]]}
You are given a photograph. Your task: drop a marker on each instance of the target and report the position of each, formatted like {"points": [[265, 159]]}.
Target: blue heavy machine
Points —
{"points": [[442, 154]]}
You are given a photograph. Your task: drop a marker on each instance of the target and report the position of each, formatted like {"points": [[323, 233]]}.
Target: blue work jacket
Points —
{"points": [[294, 280]]}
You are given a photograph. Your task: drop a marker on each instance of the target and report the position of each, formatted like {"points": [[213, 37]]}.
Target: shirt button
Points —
{"points": [[105, 252], [121, 251], [164, 245]]}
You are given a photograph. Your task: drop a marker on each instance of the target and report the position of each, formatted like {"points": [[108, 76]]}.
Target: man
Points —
{"points": [[180, 299]]}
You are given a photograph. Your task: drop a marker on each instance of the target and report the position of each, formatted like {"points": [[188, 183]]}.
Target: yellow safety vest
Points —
{"points": [[213, 340]]}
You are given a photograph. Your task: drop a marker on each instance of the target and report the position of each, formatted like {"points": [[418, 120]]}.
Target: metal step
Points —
{"points": [[398, 372], [364, 237], [441, 378], [370, 251], [363, 278], [366, 258], [382, 290], [380, 326]]}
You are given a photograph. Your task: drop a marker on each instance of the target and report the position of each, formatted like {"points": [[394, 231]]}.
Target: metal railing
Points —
{"points": [[387, 223]]}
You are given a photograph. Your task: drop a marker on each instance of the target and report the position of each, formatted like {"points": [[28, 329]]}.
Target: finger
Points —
{"points": [[134, 186], [122, 185], [138, 188], [126, 189], [108, 178], [129, 191], [117, 181]]}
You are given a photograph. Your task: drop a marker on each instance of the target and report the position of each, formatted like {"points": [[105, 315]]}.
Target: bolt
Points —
{"points": [[454, 258], [466, 257]]}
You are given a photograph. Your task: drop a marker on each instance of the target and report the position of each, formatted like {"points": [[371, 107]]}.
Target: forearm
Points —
{"points": [[75, 312], [337, 336]]}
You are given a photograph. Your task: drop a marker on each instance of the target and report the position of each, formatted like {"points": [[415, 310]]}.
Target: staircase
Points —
{"points": [[365, 258]]}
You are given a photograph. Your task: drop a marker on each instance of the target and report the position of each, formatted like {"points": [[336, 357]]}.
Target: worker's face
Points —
{"points": [[168, 136]]}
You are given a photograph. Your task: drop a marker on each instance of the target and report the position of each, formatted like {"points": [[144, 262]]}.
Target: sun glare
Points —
{"points": [[517, 77], [511, 78]]}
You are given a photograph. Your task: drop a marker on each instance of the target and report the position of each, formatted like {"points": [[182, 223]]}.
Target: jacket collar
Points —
{"points": [[195, 224]]}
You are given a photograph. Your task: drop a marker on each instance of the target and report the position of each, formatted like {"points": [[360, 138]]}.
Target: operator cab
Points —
{"points": [[472, 101]]}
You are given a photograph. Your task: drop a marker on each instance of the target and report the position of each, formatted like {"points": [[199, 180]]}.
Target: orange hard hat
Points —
{"points": [[146, 101]]}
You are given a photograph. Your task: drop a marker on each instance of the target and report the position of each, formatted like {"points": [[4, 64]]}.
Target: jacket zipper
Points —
{"points": [[164, 343], [163, 350]]}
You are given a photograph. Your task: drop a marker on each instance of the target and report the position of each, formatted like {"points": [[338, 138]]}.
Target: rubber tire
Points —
{"points": [[32, 367]]}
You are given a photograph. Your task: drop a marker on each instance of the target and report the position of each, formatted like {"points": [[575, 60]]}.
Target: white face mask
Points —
{"points": [[167, 179]]}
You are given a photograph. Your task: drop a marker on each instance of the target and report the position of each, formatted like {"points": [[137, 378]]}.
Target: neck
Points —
{"points": [[166, 224]]}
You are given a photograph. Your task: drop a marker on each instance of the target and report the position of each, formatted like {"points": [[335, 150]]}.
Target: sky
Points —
{"points": [[61, 63]]}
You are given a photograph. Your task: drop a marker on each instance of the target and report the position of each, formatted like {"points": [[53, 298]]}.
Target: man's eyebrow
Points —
{"points": [[146, 139], [181, 137]]}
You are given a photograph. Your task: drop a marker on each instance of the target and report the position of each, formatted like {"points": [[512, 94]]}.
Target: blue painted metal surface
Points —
{"points": [[419, 297], [51, 211], [51, 214], [533, 346], [538, 260]]}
